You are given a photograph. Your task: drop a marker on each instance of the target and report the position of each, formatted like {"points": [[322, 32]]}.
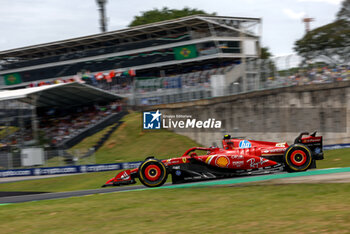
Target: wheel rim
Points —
{"points": [[152, 172], [298, 158]]}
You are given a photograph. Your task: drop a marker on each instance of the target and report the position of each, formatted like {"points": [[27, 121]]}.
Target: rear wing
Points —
{"points": [[313, 142]]}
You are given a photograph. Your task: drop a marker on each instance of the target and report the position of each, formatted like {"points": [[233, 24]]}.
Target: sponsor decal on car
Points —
{"points": [[208, 160], [125, 176], [254, 164], [238, 163], [245, 144], [311, 140], [274, 151], [318, 150], [222, 161], [282, 144], [237, 157]]}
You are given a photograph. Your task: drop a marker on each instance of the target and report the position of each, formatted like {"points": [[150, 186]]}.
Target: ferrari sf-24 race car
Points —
{"points": [[237, 157]]}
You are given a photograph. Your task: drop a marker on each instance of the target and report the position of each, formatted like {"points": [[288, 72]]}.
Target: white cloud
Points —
{"points": [[335, 2], [292, 14]]}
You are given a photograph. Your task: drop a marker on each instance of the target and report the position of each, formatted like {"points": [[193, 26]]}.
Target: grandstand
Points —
{"points": [[194, 47], [63, 114]]}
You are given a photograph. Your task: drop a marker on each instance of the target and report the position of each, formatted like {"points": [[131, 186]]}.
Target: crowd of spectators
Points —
{"points": [[315, 75], [321, 75], [196, 76], [199, 77], [58, 127], [55, 126]]}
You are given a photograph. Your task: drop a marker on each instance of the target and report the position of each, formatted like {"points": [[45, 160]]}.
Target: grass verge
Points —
{"points": [[92, 180], [129, 143], [254, 209], [335, 158]]}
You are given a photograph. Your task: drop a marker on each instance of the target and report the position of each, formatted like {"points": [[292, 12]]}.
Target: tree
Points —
{"points": [[267, 66], [344, 13], [265, 53], [329, 40], [157, 15], [333, 35]]}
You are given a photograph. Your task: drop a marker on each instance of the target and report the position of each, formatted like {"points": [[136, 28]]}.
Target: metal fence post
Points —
{"points": [[93, 156], [60, 153], [45, 157], [9, 161]]}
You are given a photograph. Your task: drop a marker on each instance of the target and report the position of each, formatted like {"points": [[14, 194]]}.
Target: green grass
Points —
{"points": [[335, 158], [254, 209], [59, 184], [90, 141], [129, 143]]}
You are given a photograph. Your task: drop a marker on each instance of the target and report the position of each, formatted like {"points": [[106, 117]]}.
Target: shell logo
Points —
{"points": [[222, 161]]}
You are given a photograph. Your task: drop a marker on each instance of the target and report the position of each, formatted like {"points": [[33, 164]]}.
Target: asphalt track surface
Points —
{"points": [[17, 197]]}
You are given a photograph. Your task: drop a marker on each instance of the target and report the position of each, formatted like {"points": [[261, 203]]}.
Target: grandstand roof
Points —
{"points": [[130, 34], [65, 94]]}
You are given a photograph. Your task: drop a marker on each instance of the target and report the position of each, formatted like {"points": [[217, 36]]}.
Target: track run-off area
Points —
{"points": [[325, 175]]}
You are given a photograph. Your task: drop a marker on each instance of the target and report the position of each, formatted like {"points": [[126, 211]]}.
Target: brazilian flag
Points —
{"points": [[12, 79], [185, 52]]}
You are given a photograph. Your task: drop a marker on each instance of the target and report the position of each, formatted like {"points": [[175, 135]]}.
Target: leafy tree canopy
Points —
{"points": [[344, 12], [333, 35], [327, 37], [265, 53], [157, 15]]}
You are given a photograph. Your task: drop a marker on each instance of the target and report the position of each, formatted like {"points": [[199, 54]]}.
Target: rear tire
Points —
{"points": [[297, 157], [152, 173]]}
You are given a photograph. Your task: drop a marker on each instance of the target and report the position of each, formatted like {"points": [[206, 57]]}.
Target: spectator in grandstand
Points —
{"points": [[56, 126], [321, 75]]}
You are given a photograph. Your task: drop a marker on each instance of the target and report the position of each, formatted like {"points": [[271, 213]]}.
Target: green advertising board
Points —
{"points": [[185, 52]]}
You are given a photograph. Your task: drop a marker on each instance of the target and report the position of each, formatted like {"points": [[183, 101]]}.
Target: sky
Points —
{"points": [[31, 22]]}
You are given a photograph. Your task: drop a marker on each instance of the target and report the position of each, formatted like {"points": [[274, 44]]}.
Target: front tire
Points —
{"points": [[297, 157], [152, 173]]}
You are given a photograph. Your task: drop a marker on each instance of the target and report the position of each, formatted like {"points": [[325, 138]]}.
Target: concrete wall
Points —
{"points": [[273, 114]]}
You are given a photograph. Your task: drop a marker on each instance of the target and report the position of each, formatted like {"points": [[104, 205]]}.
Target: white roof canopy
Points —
{"points": [[59, 95]]}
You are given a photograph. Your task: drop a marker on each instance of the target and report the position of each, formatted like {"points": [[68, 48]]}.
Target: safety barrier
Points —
{"points": [[68, 169], [336, 146]]}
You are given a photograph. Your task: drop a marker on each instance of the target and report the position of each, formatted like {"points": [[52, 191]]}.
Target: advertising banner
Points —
{"points": [[68, 169]]}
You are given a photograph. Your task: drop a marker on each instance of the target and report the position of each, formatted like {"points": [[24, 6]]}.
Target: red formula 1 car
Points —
{"points": [[237, 157]]}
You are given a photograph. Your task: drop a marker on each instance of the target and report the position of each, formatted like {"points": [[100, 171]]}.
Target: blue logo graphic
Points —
{"points": [[178, 173], [245, 144], [151, 120], [317, 150]]}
